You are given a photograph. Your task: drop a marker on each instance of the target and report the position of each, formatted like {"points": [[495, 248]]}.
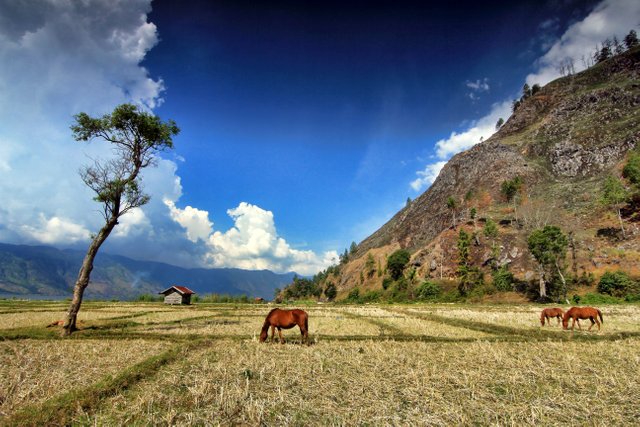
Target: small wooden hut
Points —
{"points": [[177, 295]]}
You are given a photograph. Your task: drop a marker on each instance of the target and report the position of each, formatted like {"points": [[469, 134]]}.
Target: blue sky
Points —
{"points": [[305, 125]]}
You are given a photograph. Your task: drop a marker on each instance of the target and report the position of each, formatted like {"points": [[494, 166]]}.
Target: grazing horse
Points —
{"points": [[549, 313], [285, 319], [577, 313]]}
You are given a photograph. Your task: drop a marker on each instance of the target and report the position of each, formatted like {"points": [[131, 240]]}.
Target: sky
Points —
{"points": [[305, 125]]}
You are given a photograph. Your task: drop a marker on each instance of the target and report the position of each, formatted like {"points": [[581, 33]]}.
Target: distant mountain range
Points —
{"points": [[47, 271]]}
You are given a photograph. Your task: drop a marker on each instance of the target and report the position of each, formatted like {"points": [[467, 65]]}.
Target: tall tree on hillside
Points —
{"points": [[499, 123], [549, 248], [631, 39], [490, 231], [136, 137], [470, 276], [510, 190], [353, 248], [615, 196], [453, 207]]}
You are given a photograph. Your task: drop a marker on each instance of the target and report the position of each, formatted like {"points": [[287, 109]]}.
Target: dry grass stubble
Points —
{"points": [[390, 383], [32, 371]]}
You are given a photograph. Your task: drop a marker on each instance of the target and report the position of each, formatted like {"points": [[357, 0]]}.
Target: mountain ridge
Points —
{"points": [[561, 142], [45, 270]]}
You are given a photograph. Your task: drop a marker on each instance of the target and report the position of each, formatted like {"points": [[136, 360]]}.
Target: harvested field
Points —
{"points": [[381, 364]]}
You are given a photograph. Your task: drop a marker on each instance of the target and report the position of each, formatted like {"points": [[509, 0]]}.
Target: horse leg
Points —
{"points": [[305, 334], [559, 319], [273, 332], [280, 335], [578, 321], [597, 323], [573, 324], [592, 322]]}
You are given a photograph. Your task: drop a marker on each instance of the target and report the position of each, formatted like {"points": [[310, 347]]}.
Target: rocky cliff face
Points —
{"points": [[561, 142]]}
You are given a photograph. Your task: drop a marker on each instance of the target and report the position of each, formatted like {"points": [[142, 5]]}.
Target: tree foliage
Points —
{"points": [[615, 196], [617, 284], [469, 275], [510, 188], [396, 263], [549, 248], [631, 169], [631, 39]]}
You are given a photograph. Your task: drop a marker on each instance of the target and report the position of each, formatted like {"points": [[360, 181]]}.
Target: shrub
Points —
{"points": [[584, 279], [631, 170], [354, 295], [386, 282], [371, 296], [594, 299], [617, 284], [330, 291], [428, 290], [503, 279], [149, 298]]}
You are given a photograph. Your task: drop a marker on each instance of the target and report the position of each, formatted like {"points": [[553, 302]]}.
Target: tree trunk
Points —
{"points": [[543, 285], [564, 282], [83, 277], [624, 236]]}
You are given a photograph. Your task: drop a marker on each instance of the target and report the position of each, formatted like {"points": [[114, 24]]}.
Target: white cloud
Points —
{"points": [[55, 230], [478, 130], [134, 223], [253, 243], [194, 221], [610, 18], [479, 85], [482, 128], [428, 175]]}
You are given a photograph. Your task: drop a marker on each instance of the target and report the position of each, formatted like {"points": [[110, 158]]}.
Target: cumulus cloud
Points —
{"points": [[194, 221], [55, 230], [252, 243], [609, 18]]}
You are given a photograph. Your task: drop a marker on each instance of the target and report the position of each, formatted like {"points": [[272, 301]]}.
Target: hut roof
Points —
{"points": [[182, 290]]}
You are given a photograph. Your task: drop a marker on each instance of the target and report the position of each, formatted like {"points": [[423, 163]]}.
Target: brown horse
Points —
{"points": [[549, 313], [285, 319], [577, 313]]}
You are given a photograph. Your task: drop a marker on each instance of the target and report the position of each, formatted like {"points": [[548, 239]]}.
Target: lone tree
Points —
{"points": [[136, 137], [396, 263], [452, 205], [510, 189], [615, 196], [549, 248]]}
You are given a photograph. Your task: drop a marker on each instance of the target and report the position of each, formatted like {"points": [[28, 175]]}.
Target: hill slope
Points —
{"points": [[48, 271], [562, 142]]}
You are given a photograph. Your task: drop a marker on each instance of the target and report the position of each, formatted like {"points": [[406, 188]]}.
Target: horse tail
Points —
{"points": [[265, 325], [600, 314]]}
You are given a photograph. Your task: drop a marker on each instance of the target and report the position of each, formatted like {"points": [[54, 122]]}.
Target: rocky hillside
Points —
{"points": [[562, 142]]}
